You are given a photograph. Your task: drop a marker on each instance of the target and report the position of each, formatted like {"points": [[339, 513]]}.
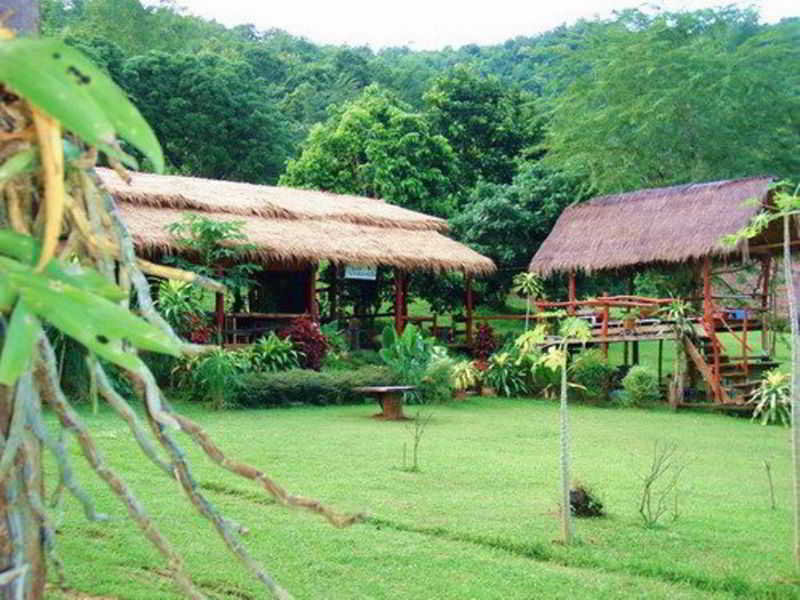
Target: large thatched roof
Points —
{"points": [[663, 225], [292, 225]]}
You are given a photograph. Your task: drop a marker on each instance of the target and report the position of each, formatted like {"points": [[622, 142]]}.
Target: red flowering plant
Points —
{"points": [[484, 344], [308, 340]]}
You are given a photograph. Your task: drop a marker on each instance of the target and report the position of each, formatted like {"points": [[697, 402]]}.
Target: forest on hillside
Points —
{"points": [[498, 139]]}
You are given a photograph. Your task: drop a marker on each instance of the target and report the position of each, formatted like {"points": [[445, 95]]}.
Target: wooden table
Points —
{"points": [[390, 397]]}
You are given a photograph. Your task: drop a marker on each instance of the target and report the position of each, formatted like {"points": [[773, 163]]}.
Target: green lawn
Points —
{"points": [[478, 521]]}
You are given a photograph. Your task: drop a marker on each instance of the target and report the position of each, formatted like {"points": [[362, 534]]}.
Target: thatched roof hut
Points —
{"points": [[292, 225], [663, 225]]}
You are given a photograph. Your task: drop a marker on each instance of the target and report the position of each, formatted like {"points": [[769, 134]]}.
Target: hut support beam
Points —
{"points": [[766, 269], [571, 292], [399, 300], [708, 320], [333, 292], [311, 298], [468, 305], [220, 317]]}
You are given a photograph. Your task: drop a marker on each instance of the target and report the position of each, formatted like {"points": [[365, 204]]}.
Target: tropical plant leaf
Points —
{"points": [[21, 337], [63, 82], [26, 249]]}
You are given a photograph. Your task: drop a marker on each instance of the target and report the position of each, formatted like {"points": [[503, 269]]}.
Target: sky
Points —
{"points": [[432, 24]]}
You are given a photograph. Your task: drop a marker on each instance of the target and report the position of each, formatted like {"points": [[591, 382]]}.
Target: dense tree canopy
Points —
{"points": [[681, 97], [375, 146], [523, 211], [487, 123], [210, 114]]}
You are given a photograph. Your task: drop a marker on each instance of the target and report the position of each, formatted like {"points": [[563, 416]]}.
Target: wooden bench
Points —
{"points": [[390, 397]]}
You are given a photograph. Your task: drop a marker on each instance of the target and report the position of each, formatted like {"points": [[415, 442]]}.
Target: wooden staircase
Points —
{"points": [[731, 380]]}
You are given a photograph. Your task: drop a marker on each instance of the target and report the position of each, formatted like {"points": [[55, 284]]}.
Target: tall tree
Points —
{"points": [[681, 97], [375, 146], [212, 115], [508, 222], [487, 123]]}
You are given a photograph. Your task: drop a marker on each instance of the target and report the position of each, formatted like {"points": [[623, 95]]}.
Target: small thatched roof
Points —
{"points": [[170, 191], [663, 225], [292, 226]]}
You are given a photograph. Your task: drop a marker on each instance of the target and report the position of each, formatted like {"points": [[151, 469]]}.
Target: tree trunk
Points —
{"points": [[566, 513], [792, 299]]}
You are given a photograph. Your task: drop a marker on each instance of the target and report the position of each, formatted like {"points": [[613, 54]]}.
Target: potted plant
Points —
{"points": [[464, 376]]}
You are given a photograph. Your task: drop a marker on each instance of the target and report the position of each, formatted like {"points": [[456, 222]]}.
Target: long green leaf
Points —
{"points": [[26, 249], [64, 83], [20, 340]]}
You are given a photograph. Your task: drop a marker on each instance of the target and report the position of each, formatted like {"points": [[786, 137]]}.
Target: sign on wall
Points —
{"points": [[360, 272]]}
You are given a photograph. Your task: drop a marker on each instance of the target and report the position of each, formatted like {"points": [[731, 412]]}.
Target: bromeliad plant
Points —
{"points": [[772, 399], [464, 375], [506, 374], [67, 259]]}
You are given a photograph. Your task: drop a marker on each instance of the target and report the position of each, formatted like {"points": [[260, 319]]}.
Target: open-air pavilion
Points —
{"points": [[291, 231], [669, 227]]}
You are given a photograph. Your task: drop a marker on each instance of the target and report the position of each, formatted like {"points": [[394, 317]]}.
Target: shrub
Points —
{"points": [[591, 371], [436, 385], [272, 353], [484, 343], [641, 386], [259, 390], [507, 375], [211, 376], [308, 340]]}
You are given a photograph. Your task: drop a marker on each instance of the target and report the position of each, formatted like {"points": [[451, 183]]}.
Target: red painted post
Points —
{"points": [[220, 317], [311, 297], [606, 315], [468, 307], [333, 292], [571, 292], [708, 318], [398, 301], [766, 270]]}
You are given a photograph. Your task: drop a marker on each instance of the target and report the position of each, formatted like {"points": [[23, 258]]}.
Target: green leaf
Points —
{"points": [[100, 317], [64, 83], [26, 249], [20, 340]]}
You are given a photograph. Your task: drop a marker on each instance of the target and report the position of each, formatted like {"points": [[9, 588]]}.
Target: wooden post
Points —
{"points": [[571, 292], [468, 306], [311, 297], [399, 302], [406, 282], [766, 269], [333, 292], [625, 353], [744, 344], [220, 317], [661, 358], [635, 352], [708, 320], [606, 316]]}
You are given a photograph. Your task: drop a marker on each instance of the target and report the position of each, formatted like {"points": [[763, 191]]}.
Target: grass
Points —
{"points": [[478, 521]]}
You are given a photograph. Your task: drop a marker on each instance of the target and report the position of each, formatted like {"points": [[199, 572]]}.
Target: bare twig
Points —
{"points": [[52, 394]]}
